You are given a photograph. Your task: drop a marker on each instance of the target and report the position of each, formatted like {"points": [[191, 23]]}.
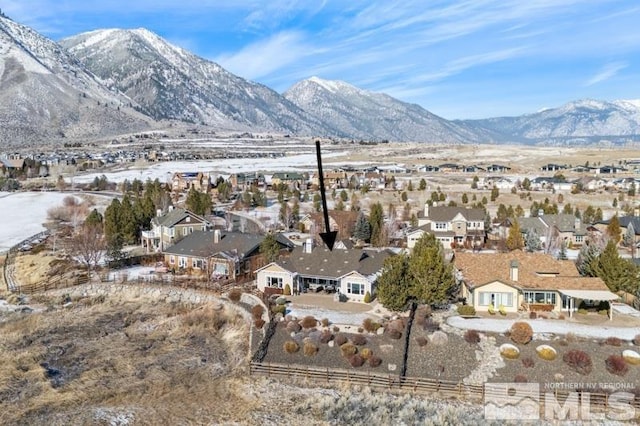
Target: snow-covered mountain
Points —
{"points": [[171, 83], [580, 121], [46, 94], [368, 115]]}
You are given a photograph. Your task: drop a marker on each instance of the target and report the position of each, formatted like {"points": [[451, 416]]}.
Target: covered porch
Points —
{"points": [[569, 298]]}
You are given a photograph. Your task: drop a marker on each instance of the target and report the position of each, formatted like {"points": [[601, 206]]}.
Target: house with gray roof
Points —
{"points": [[560, 227], [459, 226], [217, 254], [352, 272], [171, 227]]}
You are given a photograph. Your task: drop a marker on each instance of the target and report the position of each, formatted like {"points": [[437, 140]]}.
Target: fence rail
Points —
{"points": [[8, 269], [422, 385]]}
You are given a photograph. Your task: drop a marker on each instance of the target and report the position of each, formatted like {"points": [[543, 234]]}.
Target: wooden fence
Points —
{"points": [[423, 385]]}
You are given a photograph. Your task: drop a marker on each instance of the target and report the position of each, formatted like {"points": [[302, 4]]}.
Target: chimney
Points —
{"points": [[308, 246], [513, 269], [170, 208], [540, 212], [426, 210], [158, 212], [577, 223], [216, 236]]}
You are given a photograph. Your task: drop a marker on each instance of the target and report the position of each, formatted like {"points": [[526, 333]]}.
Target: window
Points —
{"points": [[182, 262], [486, 298], [274, 282], [540, 297], [355, 288], [441, 225], [579, 238], [172, 260]]}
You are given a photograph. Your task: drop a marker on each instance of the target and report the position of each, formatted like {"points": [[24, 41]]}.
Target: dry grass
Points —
{"points": [[152, 363]]}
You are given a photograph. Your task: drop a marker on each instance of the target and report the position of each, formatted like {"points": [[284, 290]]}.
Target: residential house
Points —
{"points": [[184, 181], [551, 167], [219, 255], [428, 168], [292, 180], [499, 182], [449, 167], [525, 281], [625, 222], [472, 169], [333, 179], [244, 181], [561, 227], [342, 221], [610, 170], [451, 226], [498, 168], [167, 229], [551, 183], [591, 183], [352, 272]]}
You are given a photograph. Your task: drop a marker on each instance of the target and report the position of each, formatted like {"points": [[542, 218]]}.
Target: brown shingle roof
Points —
{"points": [[535, 271]]}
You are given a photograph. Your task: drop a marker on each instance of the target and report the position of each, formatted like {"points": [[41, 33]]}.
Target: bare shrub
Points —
{"points": [[340, 339], [472, 336], [528, 362], [356, 360], [430, 325], [616, 365], [366, 353], [336, 329], [572, 338], [520, 378], [422, 341], [521, 332], [235, 294], [374, 361], [370, 325], [578, 360], [257, 311], [533, 315], [613, 341], [325, 322], [358, 340], [326, 336], [309, 349], [293, 327], [291, 346], [348, 349], [308, 322]]}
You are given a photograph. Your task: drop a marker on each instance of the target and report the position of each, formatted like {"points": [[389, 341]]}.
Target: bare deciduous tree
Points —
{"points": [[87, 246]]}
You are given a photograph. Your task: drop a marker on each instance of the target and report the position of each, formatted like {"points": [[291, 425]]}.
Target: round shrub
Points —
{"points": [[348, 349], [356, 360], [422, 341], [521, 332], [235, 294], [293, 327], [439, 338], [367, 297], [533, 315], [472, 336], [340, 339], [370, 325], [509, 351], [291, 346], [578, 360], [278, 309], [287, 290], [613, 341], [308, 322], [325, 322], [336, 329], [546, 352], [326, 336], [466, 310], [366, 353], [393, 334], [358, 340], [374, 361], [616, 365], [309, 349], [430, 325], [528, 362], [397, 325]]}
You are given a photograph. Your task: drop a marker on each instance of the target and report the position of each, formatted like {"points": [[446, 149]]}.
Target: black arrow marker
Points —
{"points": [[329, 237]]}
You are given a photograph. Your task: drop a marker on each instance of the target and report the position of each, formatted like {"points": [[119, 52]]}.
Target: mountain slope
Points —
{"points": [[587, 119], [47, 95], [170, 83], [368, 115]]}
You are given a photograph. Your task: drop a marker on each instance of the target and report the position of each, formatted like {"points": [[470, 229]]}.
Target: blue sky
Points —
{"points": [[458, 59]]}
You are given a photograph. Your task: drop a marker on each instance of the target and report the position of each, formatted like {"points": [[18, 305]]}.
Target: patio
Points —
{"points": [[338, 313]]}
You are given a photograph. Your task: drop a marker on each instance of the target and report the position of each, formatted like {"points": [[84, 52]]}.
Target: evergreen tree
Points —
{"points": [[394, 286], [198, 202], [376, 222], [432, 276], [112, 221], [127, 222], [562, 253], [422, 185], [514, 239], [270, 248], [317, 205], [587, 259], [495, 192], [94, 219], [465, 198], [629, 235], [617, 273], [410, 186], [474, 182], [362, 229], [340, 205], [532, 240], [613, 229], [344, 196]]}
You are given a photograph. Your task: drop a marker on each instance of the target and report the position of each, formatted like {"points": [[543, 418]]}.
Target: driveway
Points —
{"points": [[546, 326]]}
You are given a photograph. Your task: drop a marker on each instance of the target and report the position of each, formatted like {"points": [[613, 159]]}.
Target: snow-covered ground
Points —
{"points": [[546, 327], [22, 215], [131, 273], [334, 317], [164, 170]]}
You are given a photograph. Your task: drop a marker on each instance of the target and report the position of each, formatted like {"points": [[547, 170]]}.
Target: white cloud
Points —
{"points": [[607, 72], [267, 56]]}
